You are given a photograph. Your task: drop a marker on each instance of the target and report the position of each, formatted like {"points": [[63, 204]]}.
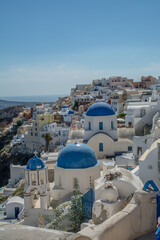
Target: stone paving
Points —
{"points": [[150, 236], [21, 232]]}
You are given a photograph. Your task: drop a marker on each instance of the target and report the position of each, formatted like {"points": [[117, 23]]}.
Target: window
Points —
{"points": [[139, 151], [100, 147], [149, 167], [100, 125], [89, 127], [36, 129], [129, 148], [31, 134], [112, 125], [36, 134]]}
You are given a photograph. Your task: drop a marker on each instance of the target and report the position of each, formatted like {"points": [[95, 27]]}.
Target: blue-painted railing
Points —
{"points": [[157, 234], [158, 206], [150, 186]]}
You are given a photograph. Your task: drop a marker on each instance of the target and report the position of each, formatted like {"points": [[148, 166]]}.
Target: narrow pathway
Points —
{"points": [[149, 236]]}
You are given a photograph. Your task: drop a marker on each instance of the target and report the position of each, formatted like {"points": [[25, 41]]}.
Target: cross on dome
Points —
{"points": [[35, 153]]}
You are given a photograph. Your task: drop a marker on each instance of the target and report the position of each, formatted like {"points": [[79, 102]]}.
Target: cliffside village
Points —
{"points": [[104, 137]]}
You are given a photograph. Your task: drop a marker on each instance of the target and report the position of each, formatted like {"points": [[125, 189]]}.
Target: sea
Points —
{"points": [[36, 98]]}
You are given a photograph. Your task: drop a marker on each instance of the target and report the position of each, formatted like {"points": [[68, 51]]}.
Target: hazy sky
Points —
{"points": [[48, 46]]}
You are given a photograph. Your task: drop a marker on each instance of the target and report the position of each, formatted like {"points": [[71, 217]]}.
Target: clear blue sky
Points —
{"points": [[48, 46]]}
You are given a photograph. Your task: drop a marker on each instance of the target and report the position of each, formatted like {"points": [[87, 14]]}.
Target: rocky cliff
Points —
{"points": [[10, 112]]}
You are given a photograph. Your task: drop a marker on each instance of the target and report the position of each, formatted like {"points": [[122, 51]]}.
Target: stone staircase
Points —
{"points": [[147, 119]]}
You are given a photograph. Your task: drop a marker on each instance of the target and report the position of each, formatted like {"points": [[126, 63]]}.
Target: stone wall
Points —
{"points": [[136, 219], [32, 216]]}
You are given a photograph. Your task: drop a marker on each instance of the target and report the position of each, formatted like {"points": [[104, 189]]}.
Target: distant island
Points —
{"points": [[5, 103]]}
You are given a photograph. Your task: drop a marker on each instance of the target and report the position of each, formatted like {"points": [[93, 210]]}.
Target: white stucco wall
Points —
{"points": [[16, 173], [148, 164], [104, 210], [126, 184], [136, 109], [64, 179], [17, 202], [95, 126], [125, 160], [112, 191], [110, 147], [122, 145], [141, 143]]}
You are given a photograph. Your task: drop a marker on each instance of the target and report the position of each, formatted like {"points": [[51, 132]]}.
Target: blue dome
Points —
{"points": [[77, 156], [65, 106], [35, 163], [71, 112], [100, 109]]}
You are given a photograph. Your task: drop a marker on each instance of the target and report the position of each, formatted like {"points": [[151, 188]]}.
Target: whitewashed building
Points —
{"points": [[101, 131], [14, 206], [59, 134], [137, 110], [111, 191], [36, 184], [77, 163], [41, 109], [149, 164]]}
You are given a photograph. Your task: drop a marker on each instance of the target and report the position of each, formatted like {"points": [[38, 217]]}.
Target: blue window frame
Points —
{"points": [[100, 147], [100, 125], [129, 148]]}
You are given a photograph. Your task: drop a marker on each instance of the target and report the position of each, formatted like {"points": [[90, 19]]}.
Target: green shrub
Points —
{"points": [[19, 123], [19, 191], [3, 199], [121, 115]]}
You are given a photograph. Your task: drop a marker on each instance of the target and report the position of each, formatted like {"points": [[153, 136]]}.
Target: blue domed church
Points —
{"points": [[76, 162], [36, 184], [101, 131], [100, 117]]}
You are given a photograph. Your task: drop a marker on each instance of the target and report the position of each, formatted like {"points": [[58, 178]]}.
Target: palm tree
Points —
{"points": [[47, 138]]}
